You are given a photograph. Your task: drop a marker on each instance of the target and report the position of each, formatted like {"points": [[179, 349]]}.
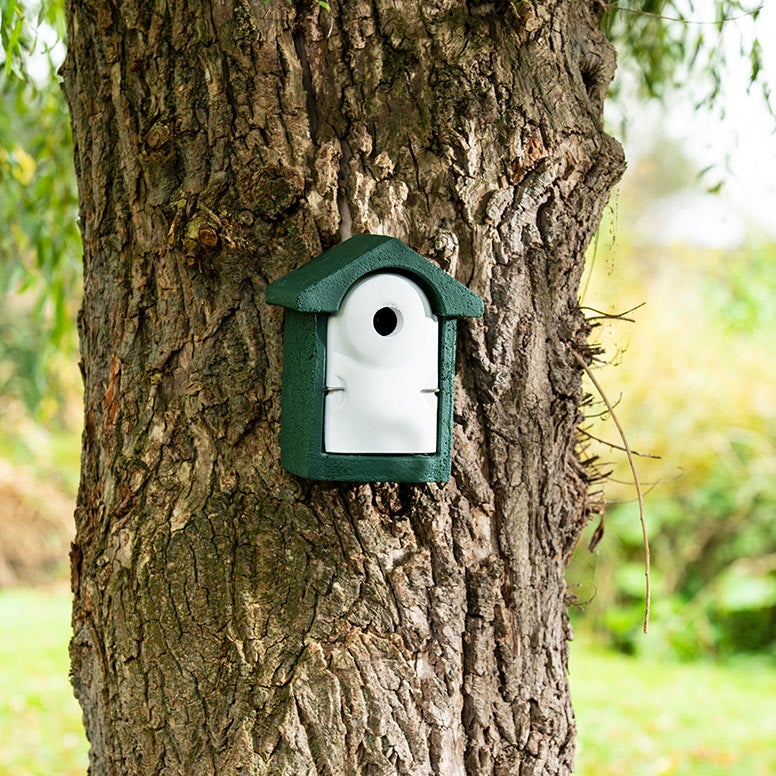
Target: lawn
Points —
{"points": [[641, 717], [635, 717], [40, 721]]}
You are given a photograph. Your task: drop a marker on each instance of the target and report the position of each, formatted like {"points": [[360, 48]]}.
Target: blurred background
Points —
{"points": [[680, 288]]}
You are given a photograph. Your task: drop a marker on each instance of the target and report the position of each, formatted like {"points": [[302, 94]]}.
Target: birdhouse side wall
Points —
{"points": [[301, 423], [447, 335]]}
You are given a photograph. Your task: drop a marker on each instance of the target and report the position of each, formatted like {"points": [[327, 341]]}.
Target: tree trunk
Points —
{"points": [[230, 618]]}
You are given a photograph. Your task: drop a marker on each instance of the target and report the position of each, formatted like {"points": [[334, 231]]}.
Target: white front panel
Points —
{"points": [[382, 369]]}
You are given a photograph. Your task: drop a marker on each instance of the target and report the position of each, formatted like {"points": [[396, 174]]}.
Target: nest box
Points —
{"points": [[369, 361]]}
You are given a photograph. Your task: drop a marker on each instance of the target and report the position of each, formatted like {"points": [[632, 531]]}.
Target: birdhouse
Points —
{"points": [[369, 361]]}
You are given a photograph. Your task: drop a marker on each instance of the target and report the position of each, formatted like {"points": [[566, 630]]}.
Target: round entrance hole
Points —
{"points": [[385, 321]]}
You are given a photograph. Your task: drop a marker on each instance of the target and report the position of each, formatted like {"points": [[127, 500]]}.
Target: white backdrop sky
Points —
{"points": [[739, 140]]}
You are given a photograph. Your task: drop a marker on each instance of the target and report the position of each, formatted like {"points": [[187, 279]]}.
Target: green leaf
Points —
{"points": [[13, 45]]}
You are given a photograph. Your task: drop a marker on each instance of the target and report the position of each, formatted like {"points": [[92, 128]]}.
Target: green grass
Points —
{"points": [[40, 722], [636, 717], [641, 717]]}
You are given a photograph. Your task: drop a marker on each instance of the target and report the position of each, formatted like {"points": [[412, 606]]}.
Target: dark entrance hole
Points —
{"points": [[385, 321]]}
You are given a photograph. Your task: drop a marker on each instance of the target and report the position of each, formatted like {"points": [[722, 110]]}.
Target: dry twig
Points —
{"points": [[639, 495], [617, 447]]}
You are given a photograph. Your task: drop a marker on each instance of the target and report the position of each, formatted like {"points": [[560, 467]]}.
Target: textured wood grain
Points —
{"points": [[230, 619]]}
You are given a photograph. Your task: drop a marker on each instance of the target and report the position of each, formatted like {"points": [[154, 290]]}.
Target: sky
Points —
{"points": [[739, 146]]}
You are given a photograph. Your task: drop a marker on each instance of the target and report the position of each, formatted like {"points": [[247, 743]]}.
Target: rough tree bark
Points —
{"points": [[230, 618]]}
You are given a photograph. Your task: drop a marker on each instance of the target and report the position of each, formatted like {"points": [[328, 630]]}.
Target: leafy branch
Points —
{"points": [[664, 41]]}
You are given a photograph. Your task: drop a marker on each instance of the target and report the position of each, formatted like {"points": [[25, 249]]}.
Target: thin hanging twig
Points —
{"points": [[617, 447], [652, 485], [639, 495], [724, 20], [601, 315]]}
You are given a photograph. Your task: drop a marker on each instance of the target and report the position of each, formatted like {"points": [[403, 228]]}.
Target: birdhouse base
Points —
{"points": [[372, 468]]}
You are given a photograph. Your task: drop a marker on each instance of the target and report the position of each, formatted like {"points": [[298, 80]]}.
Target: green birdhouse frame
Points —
{"points": [[310, 295]]}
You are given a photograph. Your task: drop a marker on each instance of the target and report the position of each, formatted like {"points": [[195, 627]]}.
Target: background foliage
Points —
{"points": [[713, 539], [40, 246], [713, 536], [694, 377], [667, 43]]}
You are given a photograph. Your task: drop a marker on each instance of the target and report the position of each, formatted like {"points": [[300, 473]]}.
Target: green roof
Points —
{"points": [[320, 285]]}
